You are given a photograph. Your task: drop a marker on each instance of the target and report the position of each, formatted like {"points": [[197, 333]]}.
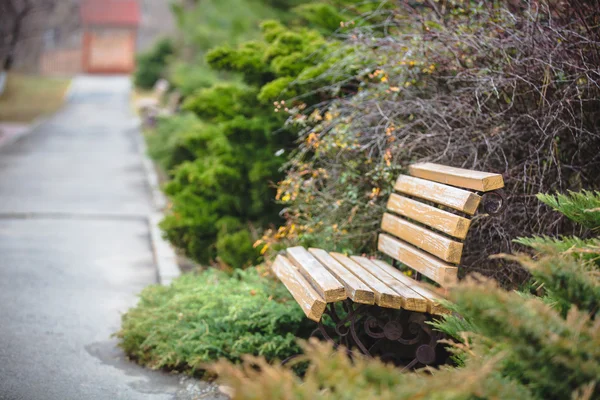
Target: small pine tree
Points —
{"points": [[224, 166]]}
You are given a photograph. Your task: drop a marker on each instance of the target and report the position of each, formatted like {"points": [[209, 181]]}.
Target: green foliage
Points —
{"points": [[207, 24], [168, 144], [204, 317], [152, 66], [332, 375], [582, 207], [323, 15], [189, 77], [552, 354], [224, 165], [225, 154], [578, 248]]}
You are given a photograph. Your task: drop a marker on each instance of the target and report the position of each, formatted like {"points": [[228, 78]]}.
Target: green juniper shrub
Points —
{"points": [[188, 77], [209, 23], [224, 167], [152, 65], [211, 315], [509, 345], [168, 142]]}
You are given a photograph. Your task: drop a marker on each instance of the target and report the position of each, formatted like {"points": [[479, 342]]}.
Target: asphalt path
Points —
{"points": [[75, 250]]}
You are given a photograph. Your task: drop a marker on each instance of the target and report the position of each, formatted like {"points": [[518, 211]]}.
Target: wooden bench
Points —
{"points": [[424, 229]]}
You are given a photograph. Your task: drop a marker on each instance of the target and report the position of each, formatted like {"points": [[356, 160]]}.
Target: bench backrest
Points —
{"points": [[429, 219]]}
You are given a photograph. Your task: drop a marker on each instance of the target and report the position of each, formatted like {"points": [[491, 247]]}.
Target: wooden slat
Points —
{"points": [[459, 199], [433, 243], [436, 218], [465, 178], [433, 300], [356, 289], [309, 300], [411, 300], [384, 296], [321, 279], [428, 265]]}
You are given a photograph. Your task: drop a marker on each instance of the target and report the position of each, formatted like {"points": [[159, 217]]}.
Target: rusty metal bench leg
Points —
{"points": [[398, 336]]}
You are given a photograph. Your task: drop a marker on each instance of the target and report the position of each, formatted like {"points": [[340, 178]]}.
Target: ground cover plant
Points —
{"points": [[543, 343], [210, 315], [492, 86]]}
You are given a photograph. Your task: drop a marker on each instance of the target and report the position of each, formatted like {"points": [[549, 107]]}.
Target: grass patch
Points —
{"points": [[27, 97], [212, 315]]}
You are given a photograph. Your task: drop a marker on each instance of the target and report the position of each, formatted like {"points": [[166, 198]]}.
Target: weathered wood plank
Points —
{"points": [[433, 243], [444, 221], [459, 199], [433, 305], [411, 300], [356, 289], [309, 300], [321, 279], [465, 178], [384, 296], [428, 265]]}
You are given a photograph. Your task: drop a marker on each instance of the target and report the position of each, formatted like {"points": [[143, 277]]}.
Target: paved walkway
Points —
{"points": [[74, 252]]}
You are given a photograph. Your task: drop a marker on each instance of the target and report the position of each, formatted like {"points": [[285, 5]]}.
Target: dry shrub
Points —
{"points": [[507, 87]]}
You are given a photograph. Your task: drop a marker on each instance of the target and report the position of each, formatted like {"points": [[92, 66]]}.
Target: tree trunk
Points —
{"points": [[14, 39]]}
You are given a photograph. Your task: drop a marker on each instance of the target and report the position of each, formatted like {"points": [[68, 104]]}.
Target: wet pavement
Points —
{"points": [[74, 251]]}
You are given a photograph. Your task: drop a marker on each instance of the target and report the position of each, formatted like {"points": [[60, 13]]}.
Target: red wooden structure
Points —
{"points": [[109, 36]]}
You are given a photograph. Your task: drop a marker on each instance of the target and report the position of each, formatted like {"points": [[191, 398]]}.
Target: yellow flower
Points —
{"points": [[264, 249]]}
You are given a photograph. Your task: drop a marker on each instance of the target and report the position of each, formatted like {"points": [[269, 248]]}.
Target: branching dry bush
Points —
{"points": [[503, 86]]}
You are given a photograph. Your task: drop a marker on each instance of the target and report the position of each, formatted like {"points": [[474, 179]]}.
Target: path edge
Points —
{"points": [[165, 257]]}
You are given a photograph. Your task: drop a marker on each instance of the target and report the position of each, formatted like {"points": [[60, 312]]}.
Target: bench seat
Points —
{"points": [[424, 228], [315, 278]]}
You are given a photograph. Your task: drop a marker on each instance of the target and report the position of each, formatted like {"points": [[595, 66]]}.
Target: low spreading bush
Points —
{"points": [[212, 315], [152, 65], [543, 344]]}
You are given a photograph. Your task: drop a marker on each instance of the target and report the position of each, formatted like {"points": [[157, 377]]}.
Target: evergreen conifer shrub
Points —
{"points": [[152, 65], [224, 164], [211, 315]]}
